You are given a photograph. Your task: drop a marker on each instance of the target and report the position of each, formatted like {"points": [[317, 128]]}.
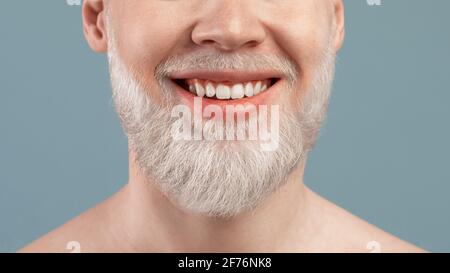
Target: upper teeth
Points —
{"points": [[224, 91]]}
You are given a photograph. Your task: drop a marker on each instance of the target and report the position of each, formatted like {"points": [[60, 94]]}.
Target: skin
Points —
{"points": [[139, 218]]}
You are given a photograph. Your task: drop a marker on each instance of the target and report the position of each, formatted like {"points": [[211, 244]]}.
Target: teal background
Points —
{"points": [[382, 154]]}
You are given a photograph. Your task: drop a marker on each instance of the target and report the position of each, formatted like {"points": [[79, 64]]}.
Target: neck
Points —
{"points": [[153, 223]]}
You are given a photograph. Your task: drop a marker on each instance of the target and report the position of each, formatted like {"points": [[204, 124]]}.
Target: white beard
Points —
{"points": [[210, 177]]}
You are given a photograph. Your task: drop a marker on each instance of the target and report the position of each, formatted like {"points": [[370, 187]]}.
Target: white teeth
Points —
{"points": [[210, 90], [249, 89], [223, 92], [237, 91], [200, 90], [257, 88]]}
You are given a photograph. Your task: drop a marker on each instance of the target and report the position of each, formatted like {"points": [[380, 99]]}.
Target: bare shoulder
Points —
{"points": [[81, 234], [353, 234], [376, 240]]}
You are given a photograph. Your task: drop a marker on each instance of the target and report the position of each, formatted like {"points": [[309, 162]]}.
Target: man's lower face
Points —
{"points": [[219, 176]]}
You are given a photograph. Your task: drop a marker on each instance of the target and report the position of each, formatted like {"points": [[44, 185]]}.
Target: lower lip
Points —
{"points": [[263, 98]]}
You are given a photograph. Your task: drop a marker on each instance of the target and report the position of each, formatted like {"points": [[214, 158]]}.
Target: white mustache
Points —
{"points": [[214, 61]]}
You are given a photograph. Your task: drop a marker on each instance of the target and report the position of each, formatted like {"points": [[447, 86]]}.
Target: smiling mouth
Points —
{"points": [[226, 90]]}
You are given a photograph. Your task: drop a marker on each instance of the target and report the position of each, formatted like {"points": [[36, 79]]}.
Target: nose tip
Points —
{"points": [[229, 27]]}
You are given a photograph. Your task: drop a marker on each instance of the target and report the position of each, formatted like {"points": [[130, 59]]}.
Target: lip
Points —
{"points": [[264, 98], [227, 76]]}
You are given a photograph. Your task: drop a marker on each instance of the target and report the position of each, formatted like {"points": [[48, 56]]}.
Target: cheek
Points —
{"points": [[143, 43], [305, 42], [141, 55]]}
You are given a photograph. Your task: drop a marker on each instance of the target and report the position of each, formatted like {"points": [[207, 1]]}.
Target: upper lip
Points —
{"points": [[226, 75]]}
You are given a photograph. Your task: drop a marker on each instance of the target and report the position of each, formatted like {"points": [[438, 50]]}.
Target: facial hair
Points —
{"points": [[208, 177]]}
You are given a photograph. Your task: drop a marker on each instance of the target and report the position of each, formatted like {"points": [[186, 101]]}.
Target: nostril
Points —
{"points": [[225, 42], [208, 42]]}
